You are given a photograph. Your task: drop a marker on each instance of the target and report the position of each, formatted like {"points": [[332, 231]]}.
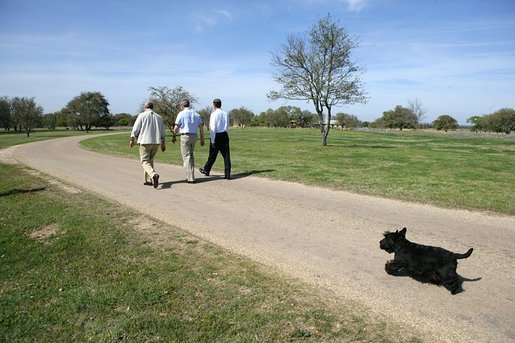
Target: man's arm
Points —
{"points": [[174, 133], [163, 136], [212, 128], [135, 131]]}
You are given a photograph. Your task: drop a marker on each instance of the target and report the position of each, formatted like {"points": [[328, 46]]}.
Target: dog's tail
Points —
{"points": [[465, 255]]}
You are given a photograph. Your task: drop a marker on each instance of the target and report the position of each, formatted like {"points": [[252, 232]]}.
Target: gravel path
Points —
{"points": [[324, 237]]}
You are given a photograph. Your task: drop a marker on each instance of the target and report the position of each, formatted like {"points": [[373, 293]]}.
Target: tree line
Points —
{"points": [[90, 109], [501, 121]]}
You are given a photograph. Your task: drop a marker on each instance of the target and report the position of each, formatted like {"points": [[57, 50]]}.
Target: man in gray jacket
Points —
{"points": [[149, 129]]}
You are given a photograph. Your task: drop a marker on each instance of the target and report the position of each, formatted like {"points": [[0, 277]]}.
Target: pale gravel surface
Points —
{"points": [[326, 238]]}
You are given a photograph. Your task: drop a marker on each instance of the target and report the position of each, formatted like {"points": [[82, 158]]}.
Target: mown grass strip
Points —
{"points": [[455, 170], [77, 268]]}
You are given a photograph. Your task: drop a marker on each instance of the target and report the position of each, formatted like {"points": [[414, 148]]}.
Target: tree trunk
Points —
{"points": [[324, 131]]}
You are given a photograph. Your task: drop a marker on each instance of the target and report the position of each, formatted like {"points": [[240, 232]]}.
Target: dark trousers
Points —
{"points": [[222, 146]]}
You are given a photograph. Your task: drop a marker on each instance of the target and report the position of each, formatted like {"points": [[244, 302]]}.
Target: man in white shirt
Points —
{"points": [[219, 127], [149, 129], [187, 123]]}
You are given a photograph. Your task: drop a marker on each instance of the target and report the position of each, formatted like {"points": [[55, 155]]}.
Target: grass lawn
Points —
{"points": [[11, 138], [454, 170], [76, 268]]}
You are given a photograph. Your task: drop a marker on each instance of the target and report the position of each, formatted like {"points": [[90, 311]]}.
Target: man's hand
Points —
{"points": [[131, 142], [202, 141], [174, 139], [163, 147], [213, 145]]}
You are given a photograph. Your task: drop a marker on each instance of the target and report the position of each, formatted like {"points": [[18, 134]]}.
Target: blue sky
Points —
{"points": [[456, 56]]}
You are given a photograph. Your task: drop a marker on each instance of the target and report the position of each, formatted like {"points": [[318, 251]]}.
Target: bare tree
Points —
{"points": [[416, 107], [317, 67]]}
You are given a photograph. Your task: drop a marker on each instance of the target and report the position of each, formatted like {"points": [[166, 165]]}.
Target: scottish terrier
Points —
{"points": [[421, 262]]}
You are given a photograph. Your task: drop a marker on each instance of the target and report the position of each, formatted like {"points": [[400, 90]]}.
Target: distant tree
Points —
{"points": [[348, 121], [257, 121], [478, 123], [87, 108], [340, 119], [265, 118], [205, 113], [502, 120], [399, 118], [123, 119], [167, 102], [317, 67], [279, 118], [416, 107], [306, 118], [50, 121], [64, 118], [241, 116], [6, 120], [26, 114], [445, 122], [105, 120]]}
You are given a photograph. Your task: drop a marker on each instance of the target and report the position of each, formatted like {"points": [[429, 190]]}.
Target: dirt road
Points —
{"points": [[324, 237]]}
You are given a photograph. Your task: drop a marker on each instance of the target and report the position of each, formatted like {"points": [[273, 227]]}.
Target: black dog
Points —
{"points": [[421, 262]]}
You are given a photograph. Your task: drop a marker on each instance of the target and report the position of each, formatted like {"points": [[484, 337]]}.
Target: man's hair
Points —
{"points": [[185, 102], [149, 104], [217, 103]]}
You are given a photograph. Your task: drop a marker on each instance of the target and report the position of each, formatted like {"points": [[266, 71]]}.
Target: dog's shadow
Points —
{"points": [[429, 279]]}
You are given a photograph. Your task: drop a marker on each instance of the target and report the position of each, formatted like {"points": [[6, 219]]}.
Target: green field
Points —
{"points": [[73, 268], [10, 138], [453, 170]]}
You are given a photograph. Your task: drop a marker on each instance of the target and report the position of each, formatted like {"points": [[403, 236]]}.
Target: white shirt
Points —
{"points": [[188, 121], [218, 122], [149, 128]]}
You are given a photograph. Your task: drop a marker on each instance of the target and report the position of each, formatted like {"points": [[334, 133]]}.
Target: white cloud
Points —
{"points": [[224, 13], [355, 5], [203, 20]]}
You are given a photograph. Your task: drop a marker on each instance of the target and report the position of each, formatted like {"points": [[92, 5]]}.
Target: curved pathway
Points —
{"points": [[327, 238]]}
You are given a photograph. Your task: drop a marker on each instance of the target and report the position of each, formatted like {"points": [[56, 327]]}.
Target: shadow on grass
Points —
{"points": [[21, 191]]}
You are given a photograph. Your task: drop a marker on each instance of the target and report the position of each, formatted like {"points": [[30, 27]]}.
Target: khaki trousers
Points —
{"points": [[147, 152], [187, 146]]}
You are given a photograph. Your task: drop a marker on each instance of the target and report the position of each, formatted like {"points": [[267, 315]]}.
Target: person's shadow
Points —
{"points": [[250, 172], [169, 184]]}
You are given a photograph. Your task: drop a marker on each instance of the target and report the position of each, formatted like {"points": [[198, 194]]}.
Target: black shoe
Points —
{"points": [[155, 180], [227, 177], [147, 183], [203, 171]]}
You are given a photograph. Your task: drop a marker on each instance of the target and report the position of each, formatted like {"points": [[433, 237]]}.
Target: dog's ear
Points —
{"points": [[403, 232]]}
